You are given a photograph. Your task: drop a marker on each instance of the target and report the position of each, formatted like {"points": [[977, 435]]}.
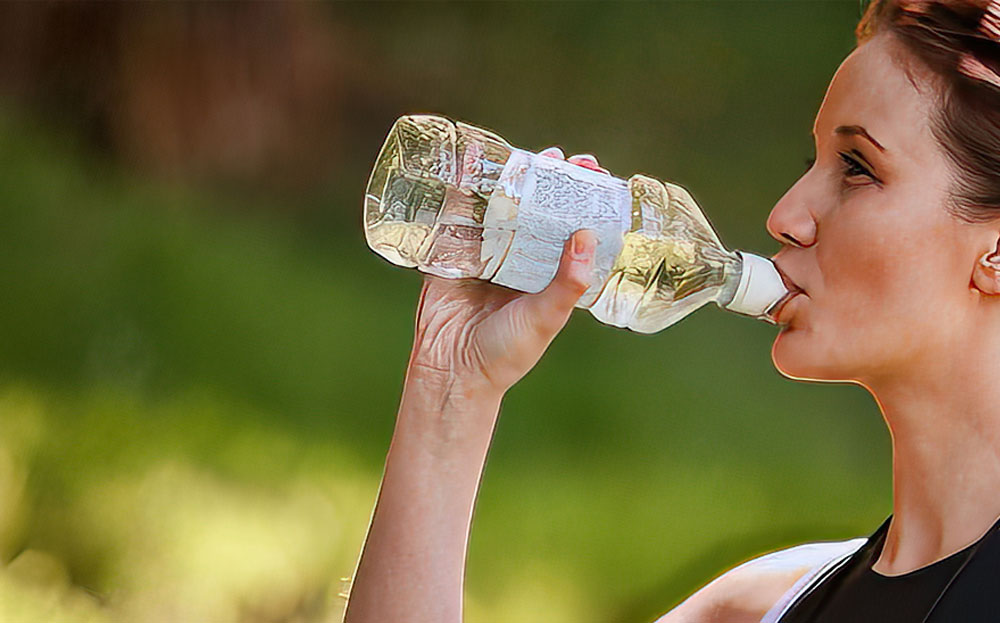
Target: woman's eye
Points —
{"points": [[854, 168], [851, 167]]}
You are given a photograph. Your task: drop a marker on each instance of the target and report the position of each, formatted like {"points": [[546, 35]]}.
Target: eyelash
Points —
{"points": [[851, 167]]}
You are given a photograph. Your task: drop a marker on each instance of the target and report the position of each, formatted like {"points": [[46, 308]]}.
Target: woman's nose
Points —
{"points": [[790, 222]]}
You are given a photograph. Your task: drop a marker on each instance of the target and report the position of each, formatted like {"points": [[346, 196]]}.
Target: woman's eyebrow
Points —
{"points": [[856, 130]]}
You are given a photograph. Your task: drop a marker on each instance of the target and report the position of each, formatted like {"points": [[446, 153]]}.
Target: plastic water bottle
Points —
{"points": [[458, 201]]}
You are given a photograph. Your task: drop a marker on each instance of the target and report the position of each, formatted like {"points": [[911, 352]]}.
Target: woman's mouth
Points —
{"points": [[776, 312], [781, 313]]}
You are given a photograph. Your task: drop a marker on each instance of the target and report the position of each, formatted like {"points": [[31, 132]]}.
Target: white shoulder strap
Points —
{"points": [[831, 555]]}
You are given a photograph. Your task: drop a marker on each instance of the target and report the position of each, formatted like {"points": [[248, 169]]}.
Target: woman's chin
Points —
{"points": [[796, 359], [795, 351]]}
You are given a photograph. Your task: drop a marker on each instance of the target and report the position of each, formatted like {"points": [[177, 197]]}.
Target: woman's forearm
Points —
{"points": [[412, 566], [472, 341]]}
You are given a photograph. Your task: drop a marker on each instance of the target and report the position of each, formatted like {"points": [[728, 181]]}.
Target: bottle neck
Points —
{"points": [[732, 274], [759, 287]]}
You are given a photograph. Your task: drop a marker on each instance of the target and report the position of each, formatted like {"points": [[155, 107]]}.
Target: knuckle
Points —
{"points": [[578, 287], [548, 325], [575, 281]]}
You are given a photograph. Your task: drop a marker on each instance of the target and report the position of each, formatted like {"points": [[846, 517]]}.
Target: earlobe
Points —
{"points": [[986, 276]]}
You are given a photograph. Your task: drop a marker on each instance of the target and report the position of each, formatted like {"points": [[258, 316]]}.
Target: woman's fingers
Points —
{"points": [[584, 160], [553, 152], [587, 161], [549, 309]]}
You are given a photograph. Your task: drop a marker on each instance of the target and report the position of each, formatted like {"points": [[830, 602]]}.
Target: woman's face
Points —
{"points": [[884, 267]]}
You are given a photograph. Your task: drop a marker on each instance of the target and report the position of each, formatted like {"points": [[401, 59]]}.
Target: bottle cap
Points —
{"points": [[760, 286]]}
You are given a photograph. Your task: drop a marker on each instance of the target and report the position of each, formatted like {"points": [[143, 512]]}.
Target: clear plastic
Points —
{"points": [[458, 201]]}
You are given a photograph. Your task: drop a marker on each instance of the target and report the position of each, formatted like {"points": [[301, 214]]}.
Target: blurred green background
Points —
{"points": [[200, 360]]}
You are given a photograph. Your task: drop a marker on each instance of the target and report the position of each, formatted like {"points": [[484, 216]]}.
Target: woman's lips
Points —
{"points": [[781, 313], [777, 312], [790, 285]]}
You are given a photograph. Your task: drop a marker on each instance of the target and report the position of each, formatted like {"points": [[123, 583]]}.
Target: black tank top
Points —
{"points": [[857, 594]]}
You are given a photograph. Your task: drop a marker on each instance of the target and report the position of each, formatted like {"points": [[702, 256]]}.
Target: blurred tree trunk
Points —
{"points": [[203, 90]]}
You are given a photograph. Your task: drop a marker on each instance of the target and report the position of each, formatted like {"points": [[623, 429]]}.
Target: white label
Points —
{"points": [[554, 198]]}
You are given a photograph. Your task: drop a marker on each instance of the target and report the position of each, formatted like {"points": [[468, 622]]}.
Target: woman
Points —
{"points": [[893, 236]]}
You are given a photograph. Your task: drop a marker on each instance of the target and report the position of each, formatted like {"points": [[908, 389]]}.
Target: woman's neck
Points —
{"points": [[946, 463]]}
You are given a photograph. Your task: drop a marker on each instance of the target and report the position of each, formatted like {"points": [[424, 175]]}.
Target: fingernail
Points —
{"points": [[552, 152], [582, 246]]}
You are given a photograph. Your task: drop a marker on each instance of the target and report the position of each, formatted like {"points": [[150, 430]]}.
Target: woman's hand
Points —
{"points": [[473, 336]]}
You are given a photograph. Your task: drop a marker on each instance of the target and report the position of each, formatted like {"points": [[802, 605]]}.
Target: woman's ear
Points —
{"points": [[986, 275]]}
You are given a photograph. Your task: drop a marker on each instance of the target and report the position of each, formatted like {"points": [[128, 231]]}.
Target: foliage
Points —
{"points": [[197, 391]]}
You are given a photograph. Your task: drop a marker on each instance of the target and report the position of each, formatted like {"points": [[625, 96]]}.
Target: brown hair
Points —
{"points": [[959, 41]]}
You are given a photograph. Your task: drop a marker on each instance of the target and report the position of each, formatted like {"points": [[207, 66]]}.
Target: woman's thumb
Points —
{"points": [[552, 306]]}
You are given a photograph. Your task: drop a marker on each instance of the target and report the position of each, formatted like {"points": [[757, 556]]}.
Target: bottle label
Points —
{"points": [[537, 204]]}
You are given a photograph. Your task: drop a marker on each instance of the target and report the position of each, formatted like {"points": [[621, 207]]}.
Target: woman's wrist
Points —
{"points": [[449, 408], [449, 387]]}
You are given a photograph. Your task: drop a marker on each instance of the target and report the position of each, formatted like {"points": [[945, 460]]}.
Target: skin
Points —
{"points": [[894, 300]]}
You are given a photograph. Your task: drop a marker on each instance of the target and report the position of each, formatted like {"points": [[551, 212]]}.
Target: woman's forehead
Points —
{"points": [[876, 88]]}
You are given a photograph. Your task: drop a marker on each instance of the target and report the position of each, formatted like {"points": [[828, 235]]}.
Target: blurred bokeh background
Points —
{"points": [[200, 360]]}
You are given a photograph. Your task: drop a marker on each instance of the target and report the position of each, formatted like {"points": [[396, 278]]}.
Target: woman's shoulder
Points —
{"points": [[750, 590]]}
